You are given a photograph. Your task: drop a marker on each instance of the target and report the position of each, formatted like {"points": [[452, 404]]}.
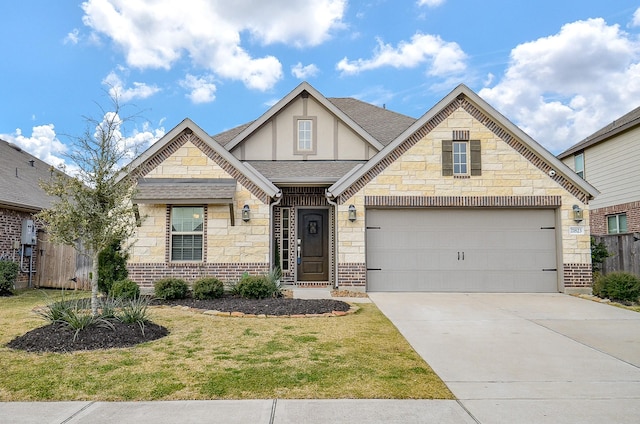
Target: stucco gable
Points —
{"points": [[462, 98], [306, 89], [188, 132]]}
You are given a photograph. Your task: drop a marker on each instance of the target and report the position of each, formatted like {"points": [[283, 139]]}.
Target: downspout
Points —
{"points": [[333, 203], [272, 205]]}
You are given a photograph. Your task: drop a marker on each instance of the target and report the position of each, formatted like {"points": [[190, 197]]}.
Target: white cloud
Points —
{"points": [[73, 37], [202, 89], [430, 3], [444, 58], [210, 33], [139, 90], [636, 18], [43, 143], [304, 72], [564, 87]]}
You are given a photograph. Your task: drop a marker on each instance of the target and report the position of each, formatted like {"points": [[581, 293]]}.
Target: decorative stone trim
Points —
{"points": [[145, 274], [577, 275], [352, 310], [489, 123], [465, 201]]}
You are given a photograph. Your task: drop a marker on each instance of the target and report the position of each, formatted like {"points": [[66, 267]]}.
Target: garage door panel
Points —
{"points": [[479, 250]]}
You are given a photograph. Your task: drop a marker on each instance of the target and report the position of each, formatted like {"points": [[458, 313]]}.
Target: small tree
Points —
{"points": [[93, 207], [599, 253]]}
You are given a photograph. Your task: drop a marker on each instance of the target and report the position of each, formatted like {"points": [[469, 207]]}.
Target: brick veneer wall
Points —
{"points": [[577, 276], [598, 217], [145, 274], [11, 230], [352, 275]]}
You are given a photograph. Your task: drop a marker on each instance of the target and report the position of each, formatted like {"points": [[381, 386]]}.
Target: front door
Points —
{"points": [[313, 246]]}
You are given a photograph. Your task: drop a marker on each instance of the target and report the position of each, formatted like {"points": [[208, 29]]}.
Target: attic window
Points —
{"points": [[461, 157], [304, 133]]}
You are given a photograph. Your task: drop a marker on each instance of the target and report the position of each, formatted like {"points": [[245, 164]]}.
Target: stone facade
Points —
{"points": [[229, 250], [506, 174]]}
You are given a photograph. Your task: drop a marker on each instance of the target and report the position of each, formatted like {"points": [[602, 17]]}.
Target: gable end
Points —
{"points": [[461, 102], [186, 136]]}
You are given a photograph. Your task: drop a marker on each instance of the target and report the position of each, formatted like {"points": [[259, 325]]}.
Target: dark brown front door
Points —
{"points": [[313, 246]]}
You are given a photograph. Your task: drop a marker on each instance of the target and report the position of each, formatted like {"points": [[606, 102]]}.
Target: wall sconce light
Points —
{"points": [[246, 213], [577, 213], [352, 213]]}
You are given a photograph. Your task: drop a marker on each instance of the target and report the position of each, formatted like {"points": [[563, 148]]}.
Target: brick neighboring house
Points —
{"points": [[20, 198], [609, 160], [350, 195]]}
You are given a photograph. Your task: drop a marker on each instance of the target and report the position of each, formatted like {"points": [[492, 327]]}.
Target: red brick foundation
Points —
{"points": [[577, 276], [352, 275], [145, 274]]}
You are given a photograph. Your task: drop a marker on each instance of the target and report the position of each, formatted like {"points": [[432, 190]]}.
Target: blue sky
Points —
{"points": [[559, 69]]}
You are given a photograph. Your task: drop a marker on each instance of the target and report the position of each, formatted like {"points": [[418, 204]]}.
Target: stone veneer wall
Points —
{"points": [[510, 172], [598, 217], [229, 250]]}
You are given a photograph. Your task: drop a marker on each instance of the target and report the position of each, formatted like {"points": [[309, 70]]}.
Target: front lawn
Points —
{"points": [[357, 356]]}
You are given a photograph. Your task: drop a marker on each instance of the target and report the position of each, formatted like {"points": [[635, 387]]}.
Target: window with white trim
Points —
{"points": [[460, 158], [305, 135], [617, 224], [187, 233], [578, 164]]}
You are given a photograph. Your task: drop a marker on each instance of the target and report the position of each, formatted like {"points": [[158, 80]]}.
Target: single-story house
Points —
{"points": [[342, 193], [609, 160]]}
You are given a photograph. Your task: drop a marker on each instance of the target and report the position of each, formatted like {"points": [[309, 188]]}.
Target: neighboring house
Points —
{"points": [[350, 195], [609, 160], [42, 263]]}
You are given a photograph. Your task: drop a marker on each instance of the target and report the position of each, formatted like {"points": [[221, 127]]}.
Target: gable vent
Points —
{"points": [[460, 135]]}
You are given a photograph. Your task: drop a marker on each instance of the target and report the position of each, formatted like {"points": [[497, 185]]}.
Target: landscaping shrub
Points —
{"points": [[256, 287], [599, 253], [208, 288], [171, 288], [8, 276], [125, 289], [112, 266], [621, 286]]}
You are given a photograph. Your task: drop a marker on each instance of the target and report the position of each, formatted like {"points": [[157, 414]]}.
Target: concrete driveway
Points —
{"points": [[526, 358]]}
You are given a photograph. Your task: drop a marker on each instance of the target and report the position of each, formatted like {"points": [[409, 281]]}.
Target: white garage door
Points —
{"points": [[461, 250]]}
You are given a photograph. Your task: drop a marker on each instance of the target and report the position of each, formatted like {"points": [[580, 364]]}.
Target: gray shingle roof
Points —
{"points": [[384, 125], [19, 179], [183, 191], [318, 171], [225, 137], [628, 121]]}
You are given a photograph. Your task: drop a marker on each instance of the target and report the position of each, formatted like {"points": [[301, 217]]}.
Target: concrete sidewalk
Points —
{"points": [[526, 358], [236, 412]]}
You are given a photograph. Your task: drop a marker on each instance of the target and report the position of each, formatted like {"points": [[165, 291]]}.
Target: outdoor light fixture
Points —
{"points": [[245, 213], [577, 213], [352, 213]]}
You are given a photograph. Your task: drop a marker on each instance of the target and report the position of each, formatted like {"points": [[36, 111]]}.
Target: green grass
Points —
{"points": [[205, 357]]}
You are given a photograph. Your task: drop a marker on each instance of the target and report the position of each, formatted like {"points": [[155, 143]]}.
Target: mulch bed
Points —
{"points": [[60, 338]]}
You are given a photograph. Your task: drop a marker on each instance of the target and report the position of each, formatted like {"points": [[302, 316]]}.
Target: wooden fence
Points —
{"points": [[624, 250], [61, 266]]}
